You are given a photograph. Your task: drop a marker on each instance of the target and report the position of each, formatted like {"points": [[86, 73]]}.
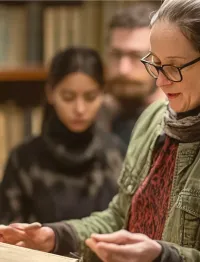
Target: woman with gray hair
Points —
{"points": [[158, 204]]}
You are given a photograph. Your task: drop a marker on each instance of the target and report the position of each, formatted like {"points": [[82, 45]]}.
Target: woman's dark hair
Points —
{"points": [[76, 59], [72, 60]]}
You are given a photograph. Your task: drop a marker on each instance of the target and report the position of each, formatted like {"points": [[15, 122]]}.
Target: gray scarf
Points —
{"points": [[184, 127]]}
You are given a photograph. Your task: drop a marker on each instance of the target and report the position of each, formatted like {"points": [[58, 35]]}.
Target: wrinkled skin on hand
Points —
{"points": [[123, 246], [32, 236]]}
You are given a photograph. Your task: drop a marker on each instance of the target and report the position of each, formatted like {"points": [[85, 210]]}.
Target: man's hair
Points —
{"points": [[137, 15]]}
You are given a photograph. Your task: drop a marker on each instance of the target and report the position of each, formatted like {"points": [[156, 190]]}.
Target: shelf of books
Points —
{"points": [[21, 89]]}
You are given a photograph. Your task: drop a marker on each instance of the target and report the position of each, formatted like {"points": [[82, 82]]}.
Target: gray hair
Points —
{"points": [[185, 14]]}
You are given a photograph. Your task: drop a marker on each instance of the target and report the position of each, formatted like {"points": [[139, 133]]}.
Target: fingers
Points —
{"points": [[29, 229], [28, 235], [11, 235], [118, 249], [19, 226], [141, 251], [91, 243], [21, 244], [120, 237], [1, 238], [3, 227], [106, 251], [25, 226], [112, 253]]}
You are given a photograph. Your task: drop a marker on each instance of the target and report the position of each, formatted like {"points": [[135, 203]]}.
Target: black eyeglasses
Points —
{"points": [[171, 72]]}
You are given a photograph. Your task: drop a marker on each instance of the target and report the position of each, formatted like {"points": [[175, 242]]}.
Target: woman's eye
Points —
{"points": [[155, 61], [68, 97], [91, 97]]}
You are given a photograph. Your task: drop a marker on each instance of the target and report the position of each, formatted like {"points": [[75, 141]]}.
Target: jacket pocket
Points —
{"points": [[189, 204]]}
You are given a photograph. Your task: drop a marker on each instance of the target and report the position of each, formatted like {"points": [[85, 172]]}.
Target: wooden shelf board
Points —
{"points": [[23, 74]]}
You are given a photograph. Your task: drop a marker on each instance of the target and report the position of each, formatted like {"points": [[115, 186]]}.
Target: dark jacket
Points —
{"points": [[120, 118], [60, 175]]}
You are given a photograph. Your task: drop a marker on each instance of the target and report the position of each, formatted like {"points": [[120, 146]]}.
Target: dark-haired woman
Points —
{"points": [[71, 169]]}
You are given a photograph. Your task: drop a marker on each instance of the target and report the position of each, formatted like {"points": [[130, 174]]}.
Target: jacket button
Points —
{"points": [[130, 188]]}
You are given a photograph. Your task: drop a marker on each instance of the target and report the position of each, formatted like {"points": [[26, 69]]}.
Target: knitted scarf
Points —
{"points": [[185, 126]]}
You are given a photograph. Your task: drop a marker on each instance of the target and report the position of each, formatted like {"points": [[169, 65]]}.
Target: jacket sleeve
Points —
{"points": [[11, 209], [186, 254], [169, 253], [71, 235]]}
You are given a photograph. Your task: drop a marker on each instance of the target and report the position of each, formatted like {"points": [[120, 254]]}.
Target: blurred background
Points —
{"points": [[31, 32]]}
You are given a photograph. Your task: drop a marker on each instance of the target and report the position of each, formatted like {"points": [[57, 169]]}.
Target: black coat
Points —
{"points": [[60, 175]]}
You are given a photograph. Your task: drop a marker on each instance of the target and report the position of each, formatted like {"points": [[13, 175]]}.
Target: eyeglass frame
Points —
{"points": [[160, 68]]}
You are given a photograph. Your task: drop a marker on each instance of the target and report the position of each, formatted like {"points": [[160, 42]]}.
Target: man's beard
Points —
{"points": [[126, 89]]}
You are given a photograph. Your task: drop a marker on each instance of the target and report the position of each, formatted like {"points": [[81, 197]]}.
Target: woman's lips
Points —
{"points": [[78, 122], [171, 96]]}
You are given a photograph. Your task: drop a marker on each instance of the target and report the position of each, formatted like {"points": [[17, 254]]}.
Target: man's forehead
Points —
{"points": [[136, 39]]}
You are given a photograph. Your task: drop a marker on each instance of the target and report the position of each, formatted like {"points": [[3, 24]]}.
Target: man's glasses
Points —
{"points": [[171, 72]]}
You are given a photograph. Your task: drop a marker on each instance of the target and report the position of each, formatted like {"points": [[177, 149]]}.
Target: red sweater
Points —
{"points": [[151, 200]]}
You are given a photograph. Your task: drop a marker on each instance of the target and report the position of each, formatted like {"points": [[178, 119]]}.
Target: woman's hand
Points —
{"points": [[123, 246], [32, 236]]}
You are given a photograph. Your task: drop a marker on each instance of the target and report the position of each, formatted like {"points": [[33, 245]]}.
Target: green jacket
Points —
{"points": [[182, 227]]}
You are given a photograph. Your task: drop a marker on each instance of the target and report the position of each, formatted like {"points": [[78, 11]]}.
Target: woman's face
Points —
{"points": [[170, 46], [76, 100]]}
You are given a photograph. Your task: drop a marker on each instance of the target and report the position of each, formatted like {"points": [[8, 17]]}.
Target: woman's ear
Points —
{"points": [[49, 94]]}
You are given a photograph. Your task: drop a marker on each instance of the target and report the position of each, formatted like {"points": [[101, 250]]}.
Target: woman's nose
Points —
{"points": [[162, 80], [80, 107]]}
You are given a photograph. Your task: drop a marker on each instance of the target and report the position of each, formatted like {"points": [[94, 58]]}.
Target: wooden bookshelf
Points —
{"points": [[23, 85], [21, 96]]}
